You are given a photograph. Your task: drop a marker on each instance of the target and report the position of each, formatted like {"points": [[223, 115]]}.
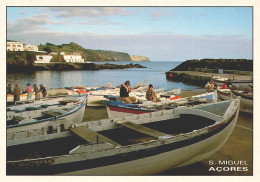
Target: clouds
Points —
{"points": [[161, 33], [159, 13], [29, 24], [88, 12], [100, 21]]}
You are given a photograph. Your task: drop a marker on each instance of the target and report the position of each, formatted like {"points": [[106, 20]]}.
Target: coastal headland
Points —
{"points": [[68, 57], [199, 72]]}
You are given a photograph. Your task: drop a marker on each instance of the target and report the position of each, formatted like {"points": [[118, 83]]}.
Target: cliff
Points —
{"points": [[139, 58]]}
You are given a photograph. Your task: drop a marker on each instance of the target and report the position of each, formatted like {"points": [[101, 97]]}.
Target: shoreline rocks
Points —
{"points": [[69, 66]]}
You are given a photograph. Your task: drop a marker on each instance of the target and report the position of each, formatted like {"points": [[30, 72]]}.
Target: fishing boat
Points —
{"points": [[135, 145], [39, 114], [141, 95], [224, 94], [23, 97], [120, 109], [246, 104], [236, 83]]}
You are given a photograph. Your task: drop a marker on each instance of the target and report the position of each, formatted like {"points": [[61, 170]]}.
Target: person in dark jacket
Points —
{"points": [[9, 89], [17, 92], [125, 89], [43, 90]]}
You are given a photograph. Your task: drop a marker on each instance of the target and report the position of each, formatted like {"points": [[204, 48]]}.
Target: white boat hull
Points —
{"points": [[164, 161], [224, 94], [246, 105], [145, 158], [75, 117]]}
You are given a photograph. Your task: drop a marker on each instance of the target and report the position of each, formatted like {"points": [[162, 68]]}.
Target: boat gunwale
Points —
{"points": [[242, 95]]}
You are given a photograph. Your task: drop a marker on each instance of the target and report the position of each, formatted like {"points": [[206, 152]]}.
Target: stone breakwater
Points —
{"points": [[200, 78]]}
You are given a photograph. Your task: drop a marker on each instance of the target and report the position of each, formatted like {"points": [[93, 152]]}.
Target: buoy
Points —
{"points": [[171, 75]]}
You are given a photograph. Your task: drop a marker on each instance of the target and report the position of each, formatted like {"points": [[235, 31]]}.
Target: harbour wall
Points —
{"points": [[201, 78]]}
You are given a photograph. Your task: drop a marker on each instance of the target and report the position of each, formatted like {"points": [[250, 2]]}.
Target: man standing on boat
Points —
{"points": [[36, 90], [17, 92], [43, 90], [151, 94], [29, 91], [125, 89]]}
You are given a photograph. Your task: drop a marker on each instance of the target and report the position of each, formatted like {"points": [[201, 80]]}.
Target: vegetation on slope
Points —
{"points": [[87, 54]]}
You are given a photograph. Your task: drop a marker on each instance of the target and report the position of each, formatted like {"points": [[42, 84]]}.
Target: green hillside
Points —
{"points": [[87, 54]]}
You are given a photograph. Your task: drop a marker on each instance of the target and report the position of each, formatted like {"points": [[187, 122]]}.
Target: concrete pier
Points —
{"points": [[201, 78]]}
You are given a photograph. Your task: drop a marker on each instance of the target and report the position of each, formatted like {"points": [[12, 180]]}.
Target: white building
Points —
{"points": [[31, 47], [73, 58], [56, 53], [43, 59], [14, 46]]}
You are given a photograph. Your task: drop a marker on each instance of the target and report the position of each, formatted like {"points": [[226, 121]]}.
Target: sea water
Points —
{"points": [[154, 74]]}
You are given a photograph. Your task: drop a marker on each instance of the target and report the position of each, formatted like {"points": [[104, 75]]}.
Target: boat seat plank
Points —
{"points": [[19, 118], [67, 101], [51, 113], [91, 136], [143, 129]]}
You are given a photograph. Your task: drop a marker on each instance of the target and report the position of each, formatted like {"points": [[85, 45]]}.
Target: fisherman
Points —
{"points": [[151, 94], [36, 90], [43, 90], [29, 91], [9, 89], [125, 89], [209, 86], [17, 92], [229, 84]]}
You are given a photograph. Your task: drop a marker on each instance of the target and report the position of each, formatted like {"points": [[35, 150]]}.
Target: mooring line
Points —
{"points": [[244, 127]]}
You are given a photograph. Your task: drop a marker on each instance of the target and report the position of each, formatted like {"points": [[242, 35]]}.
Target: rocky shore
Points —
{"points": [[69, 66]]}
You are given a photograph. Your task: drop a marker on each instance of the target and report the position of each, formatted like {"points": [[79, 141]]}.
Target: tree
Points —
{"points": [[47, 49]]}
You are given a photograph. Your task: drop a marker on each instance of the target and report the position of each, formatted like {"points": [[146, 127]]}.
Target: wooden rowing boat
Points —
{"points": [[119, 109], [246, 104], [29, 116], [135, 145]]}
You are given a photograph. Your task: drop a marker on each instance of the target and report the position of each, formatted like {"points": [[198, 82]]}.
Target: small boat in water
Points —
{"points": [[40, 113], [134, 145]]}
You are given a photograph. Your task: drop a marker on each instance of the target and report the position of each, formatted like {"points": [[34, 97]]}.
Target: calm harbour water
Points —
{"points": [[154, 73]]}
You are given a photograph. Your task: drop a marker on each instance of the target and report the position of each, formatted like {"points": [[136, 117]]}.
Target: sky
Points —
{"points": [[160, 33]]}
